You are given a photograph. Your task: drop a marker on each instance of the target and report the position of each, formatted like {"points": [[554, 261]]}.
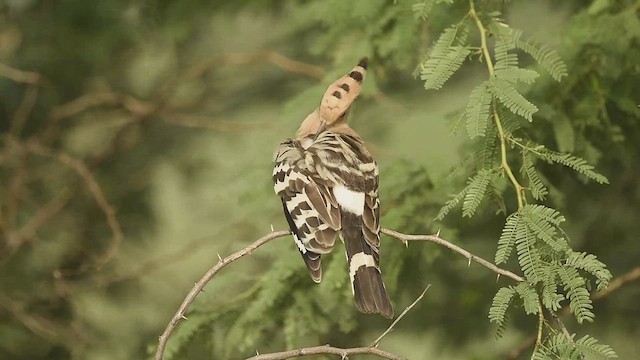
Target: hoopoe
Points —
{"points": [[328, 183]]}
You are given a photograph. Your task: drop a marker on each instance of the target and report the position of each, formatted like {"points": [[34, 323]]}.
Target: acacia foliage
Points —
{"points": [[95, 48], [542, 247]]}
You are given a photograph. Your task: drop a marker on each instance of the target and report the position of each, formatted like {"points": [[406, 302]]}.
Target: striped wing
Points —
{"points": [[309, 206]]}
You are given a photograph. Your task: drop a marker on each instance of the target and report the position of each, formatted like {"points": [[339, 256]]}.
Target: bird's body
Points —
{"points": [[328, 183]]}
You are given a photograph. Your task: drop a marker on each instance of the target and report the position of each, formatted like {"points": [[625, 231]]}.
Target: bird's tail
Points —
{"points": [[369, 292]]}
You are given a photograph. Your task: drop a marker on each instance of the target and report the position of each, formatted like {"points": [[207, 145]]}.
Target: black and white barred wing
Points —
{"points": [[309, 206]]}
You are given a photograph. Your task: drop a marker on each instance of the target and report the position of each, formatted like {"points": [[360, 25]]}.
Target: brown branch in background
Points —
{"points": [[24, 109], [330, 350], [41, 216], [135, 106], [96, 191], [436, 239], [615, 285], [406, 310], [191, 296], [42, 326], [20, 76]]}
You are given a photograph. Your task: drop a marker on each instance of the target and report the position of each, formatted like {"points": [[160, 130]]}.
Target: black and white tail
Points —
{"points": [[369, 292]]}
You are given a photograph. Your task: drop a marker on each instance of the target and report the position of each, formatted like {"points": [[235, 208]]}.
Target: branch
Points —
{"points": [[197, 288], [377, 341], [20, 76], [436, 239], [326, 349], [191, 296]]}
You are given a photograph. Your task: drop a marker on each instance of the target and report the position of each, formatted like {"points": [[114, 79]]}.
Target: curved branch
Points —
{"points": [[191, 296], [436, 239], [326, 349]]}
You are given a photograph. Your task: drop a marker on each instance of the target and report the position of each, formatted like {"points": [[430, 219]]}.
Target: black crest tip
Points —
{"points": [[364, 62]]}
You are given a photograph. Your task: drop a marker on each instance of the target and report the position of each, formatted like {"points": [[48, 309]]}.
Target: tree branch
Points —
{"points": [[191, 296], [377, 341], [436, 239], [197, 288], [327, 349]]}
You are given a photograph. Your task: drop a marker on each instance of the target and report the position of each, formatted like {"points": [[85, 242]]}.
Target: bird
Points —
{"points": [[328, 183]]}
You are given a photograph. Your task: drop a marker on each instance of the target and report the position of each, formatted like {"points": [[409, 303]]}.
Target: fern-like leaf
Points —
{"points": [[449, 205], [589, 345], [476, 191], [576, 163], [542, 221], [508, 238], [550, 297], [590, 264], [514, 75], [446, 57], [528, 254], [422, 9], [499, 306], [529, 298], [477, 111], [579, 299], [543, 54], [536, 187], [489, 148], [511, 98]]}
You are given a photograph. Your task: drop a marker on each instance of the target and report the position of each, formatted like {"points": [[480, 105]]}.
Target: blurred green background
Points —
{"points": [[136, 142]]}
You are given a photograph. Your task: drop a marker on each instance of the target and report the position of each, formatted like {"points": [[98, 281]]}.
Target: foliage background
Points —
{"points": [[164, 115]]}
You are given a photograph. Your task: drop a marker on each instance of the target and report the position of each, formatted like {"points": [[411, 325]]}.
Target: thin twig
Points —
{"points": [[436, 239], [191, 296], [377, 341], [327, 349]]}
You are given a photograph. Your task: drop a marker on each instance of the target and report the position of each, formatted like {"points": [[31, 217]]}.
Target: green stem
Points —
{"points": [[501, 133]]}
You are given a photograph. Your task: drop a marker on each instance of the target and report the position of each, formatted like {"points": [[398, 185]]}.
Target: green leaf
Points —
{"points": [[528, 254], [422, 9], [578, 164], [445, 58], [542, 222], [508, 238], [550, 297], [536, 187], [487, 154], [514, 75], [579, 299], [498, 311], [589, 345], [590, 264], [449, 205], [477, 110], [529, 298], [476, 190], [543, 54], [511, 98]]}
